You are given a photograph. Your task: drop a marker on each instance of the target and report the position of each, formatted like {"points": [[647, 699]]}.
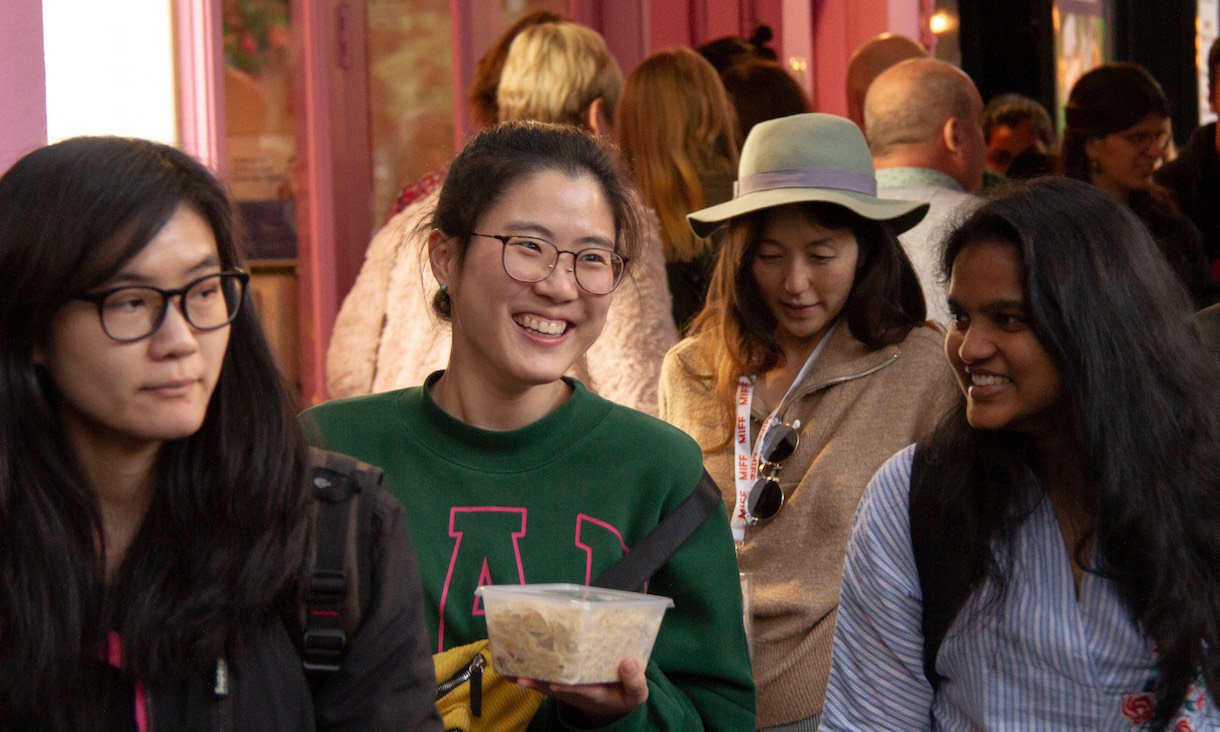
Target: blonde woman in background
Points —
{"points": [[676, 127], [386, 335]]}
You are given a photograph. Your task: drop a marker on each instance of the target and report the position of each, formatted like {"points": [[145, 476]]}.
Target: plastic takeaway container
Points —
{"points": [[569, 634]]}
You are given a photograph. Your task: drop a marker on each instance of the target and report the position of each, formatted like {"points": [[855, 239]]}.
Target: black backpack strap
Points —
{"points": [[338, 587], [947, 564], [923, 546], [650, 553]]}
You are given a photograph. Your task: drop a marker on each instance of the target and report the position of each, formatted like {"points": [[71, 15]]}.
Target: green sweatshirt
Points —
{"points": [[558, 501]]}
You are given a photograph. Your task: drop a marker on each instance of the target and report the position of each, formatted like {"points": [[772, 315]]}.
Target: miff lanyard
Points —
{"points": [[745, 470]]}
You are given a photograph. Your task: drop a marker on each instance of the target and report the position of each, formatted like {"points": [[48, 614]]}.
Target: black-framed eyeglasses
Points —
{"points": [[134, 312], [766, 498], [530, 259]]}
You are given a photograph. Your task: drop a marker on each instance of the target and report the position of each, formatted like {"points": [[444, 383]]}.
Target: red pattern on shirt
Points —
{"points": [[414, 191]]}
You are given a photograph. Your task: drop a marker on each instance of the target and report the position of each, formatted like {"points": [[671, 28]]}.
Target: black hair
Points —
{"points": [[219, 552], [760, 90], [499, 157], [722, 53], [1141, 409]]}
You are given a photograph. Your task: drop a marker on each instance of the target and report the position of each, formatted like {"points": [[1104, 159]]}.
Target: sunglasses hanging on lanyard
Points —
{"points": [[759, 497]]}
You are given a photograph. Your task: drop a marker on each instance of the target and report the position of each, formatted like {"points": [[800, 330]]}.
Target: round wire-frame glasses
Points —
{"points": [[530, 259]]}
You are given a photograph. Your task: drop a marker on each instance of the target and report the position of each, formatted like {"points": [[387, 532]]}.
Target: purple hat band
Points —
{"points": [[806, 178]]}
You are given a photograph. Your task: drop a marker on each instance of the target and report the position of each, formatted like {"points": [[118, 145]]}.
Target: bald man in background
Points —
{"points": [[923, 120], [868, 61]]}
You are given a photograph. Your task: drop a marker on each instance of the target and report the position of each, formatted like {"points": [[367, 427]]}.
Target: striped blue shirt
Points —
{"points": [[1038, 660]]}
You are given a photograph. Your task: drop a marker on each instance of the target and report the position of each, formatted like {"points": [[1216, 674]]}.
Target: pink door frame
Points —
{"points": [[23, 84]]}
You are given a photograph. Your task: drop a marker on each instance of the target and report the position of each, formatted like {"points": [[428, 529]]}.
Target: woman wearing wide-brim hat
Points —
{"points": [[810, 364]]}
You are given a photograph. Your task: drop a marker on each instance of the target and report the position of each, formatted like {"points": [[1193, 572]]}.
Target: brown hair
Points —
{"points": [[1107, 99], [675, 125], [761, 90]]}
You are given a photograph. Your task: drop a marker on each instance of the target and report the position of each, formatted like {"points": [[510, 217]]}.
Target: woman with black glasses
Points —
{"points": [[808, 366], [154, 511], [512, 472]]}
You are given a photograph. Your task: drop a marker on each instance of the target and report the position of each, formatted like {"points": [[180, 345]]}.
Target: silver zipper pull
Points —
{"points": [[222, 678]]}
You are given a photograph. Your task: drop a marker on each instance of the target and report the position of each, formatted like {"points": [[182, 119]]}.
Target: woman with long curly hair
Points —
{"points": [[1048, 558]]}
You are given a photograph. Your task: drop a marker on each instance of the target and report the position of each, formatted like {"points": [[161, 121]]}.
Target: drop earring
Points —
{"points": [[444, 289]]}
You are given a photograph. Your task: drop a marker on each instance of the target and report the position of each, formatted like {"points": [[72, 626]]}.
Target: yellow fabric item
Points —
{"points": [[506, 707]]}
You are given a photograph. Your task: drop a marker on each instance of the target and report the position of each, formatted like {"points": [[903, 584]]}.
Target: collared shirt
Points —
{"points": [[1040, 659], [948, 206], [915, 177]]}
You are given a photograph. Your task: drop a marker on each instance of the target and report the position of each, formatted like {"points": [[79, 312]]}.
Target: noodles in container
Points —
{"points": [[569, 634]]}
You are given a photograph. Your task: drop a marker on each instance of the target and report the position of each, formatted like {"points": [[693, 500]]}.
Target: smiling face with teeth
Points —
{"points": [[521, 335], [1007, 376]]}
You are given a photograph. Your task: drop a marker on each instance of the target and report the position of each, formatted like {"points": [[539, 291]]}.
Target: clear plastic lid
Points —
{"points": [[571, 593]]}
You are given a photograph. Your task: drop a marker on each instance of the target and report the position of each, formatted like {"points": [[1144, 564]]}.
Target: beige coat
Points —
{"points": [[387, 337], [857, 407]]}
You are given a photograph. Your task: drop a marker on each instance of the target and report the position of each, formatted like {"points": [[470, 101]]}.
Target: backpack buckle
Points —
{"points": [[323, 649], [327, 586]]}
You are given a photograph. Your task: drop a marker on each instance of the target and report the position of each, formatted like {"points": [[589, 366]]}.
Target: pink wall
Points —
{"points": [[823, 32], [333, 159], [23, 86], [839, 26], [200, 70]]}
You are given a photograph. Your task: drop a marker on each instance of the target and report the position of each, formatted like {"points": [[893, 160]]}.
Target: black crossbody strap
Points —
{"points": [[650, 553], [336, 595]]}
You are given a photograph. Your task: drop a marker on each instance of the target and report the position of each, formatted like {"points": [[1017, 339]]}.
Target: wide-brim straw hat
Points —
{"points": [[806, 158]]}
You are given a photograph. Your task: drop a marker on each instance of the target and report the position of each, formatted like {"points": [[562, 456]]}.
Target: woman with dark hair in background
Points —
{"points": [[677, 132], [760, 90], [1116, 135], [1048, 558], [154, 510], [542, 480], [811, 359]]}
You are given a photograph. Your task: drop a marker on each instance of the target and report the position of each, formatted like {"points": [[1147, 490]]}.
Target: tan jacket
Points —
{"points": [[857, 407], [387, 337]]}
